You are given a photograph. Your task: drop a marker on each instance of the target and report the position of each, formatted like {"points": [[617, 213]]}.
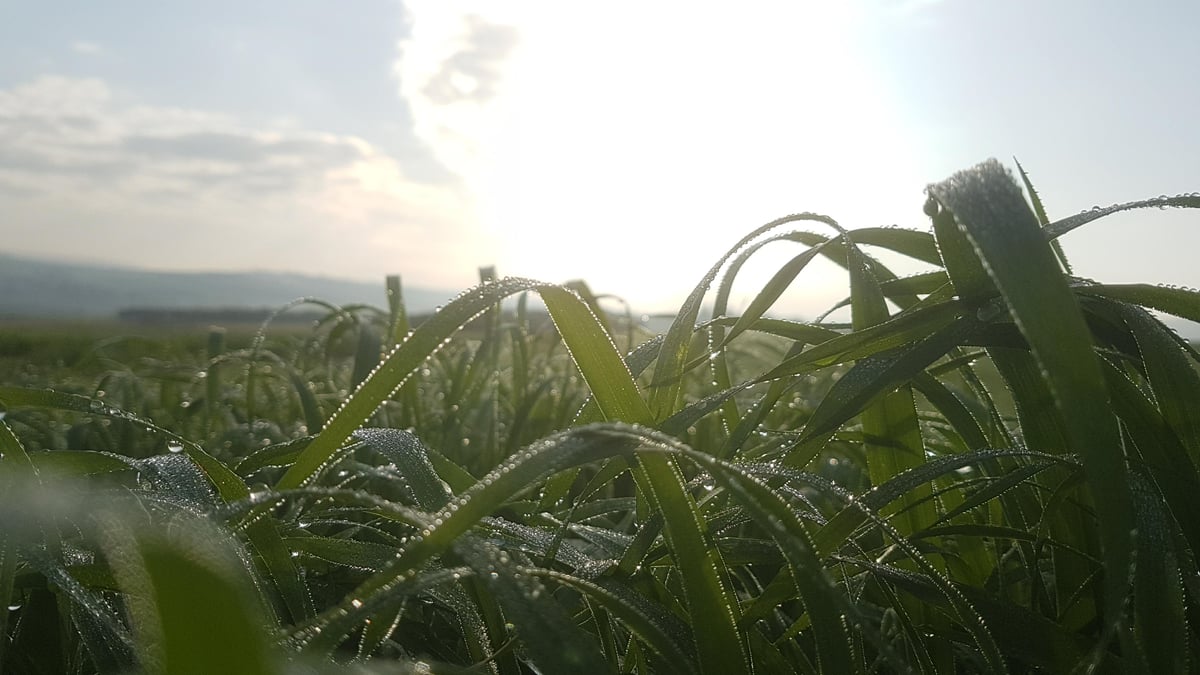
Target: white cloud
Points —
{"points": [[451, 70], [169, 187]]}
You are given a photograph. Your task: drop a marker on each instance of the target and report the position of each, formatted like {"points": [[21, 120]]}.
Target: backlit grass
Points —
{"points": [[992, 468]]}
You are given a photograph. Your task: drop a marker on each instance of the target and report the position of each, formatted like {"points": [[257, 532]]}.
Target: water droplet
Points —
{"points": [[174, 446], [13, 608], [356, 603]]}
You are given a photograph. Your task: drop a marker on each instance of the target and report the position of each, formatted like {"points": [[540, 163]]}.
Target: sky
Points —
{"points": [[627, 144]]}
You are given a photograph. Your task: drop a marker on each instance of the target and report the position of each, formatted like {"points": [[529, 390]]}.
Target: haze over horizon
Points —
{"points": [[629, 145]]}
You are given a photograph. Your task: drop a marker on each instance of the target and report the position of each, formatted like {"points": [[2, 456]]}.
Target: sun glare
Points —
{"points": [[632, 146]]}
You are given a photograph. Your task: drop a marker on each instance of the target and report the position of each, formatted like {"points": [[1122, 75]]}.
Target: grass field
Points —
{"points": [[992, 468]]}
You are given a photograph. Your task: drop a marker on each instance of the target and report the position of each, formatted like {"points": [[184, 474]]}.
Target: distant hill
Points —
{"points": [[45, 289]]}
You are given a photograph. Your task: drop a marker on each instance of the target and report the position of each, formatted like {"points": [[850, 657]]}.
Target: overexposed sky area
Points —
{"points": [[626, 143]]}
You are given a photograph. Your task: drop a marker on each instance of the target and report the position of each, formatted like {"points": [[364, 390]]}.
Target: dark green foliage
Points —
{"points": [[993, 468]]}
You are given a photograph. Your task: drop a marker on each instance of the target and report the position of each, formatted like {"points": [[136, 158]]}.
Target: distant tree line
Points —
{"points": [[155, 316]]}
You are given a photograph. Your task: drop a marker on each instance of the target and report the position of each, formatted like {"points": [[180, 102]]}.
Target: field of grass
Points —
{"points": [[993, 467]]}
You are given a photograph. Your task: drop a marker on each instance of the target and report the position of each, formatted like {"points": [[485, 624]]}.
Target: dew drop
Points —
{"points": [[356, 603], [174, 447]]}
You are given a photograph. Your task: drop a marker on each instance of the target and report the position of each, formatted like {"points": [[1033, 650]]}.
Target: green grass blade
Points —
{"points": [[711, 605], [1043, 219], [1172, 378], [880, 374], [194, 613], [366, 354], [551, 638], [901, 330], [265, 540], [824, 602], [838, 529], [964, 611], [1180, 302], [891, 433], [668, 370], [967, 274], [397, 312], [227, 483], [524, 471], [659, 630], [590, 345], [395, 369], [1158, 600], [1061, 227], [911, 243], [961, 418], [771, 292], [411, 458], [593, 351], [1161, 450], [1005, 235]]}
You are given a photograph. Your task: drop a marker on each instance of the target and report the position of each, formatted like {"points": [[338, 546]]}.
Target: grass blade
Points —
{"points": [[1010, 245], [1061, 227]]}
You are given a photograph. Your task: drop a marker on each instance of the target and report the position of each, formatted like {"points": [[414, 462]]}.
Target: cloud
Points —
{"points": [[63, 129], [92, 172], [452, 69], [473, 72]]}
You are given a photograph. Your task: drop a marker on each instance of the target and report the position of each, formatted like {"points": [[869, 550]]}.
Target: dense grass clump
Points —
{"points": [[993, 467]]}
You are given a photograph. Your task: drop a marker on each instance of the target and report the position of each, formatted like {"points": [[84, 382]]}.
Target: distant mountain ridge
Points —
{"points": [[47, 289]]}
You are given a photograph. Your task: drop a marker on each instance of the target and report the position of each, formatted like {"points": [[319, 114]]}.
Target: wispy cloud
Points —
{"points": [[452, 70], [194, 186], [473, 72]]}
